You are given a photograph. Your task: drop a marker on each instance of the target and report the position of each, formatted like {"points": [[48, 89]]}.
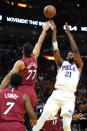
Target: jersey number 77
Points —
{"points": [[32, 74]]}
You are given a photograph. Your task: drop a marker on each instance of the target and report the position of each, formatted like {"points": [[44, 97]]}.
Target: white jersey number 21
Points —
{"points": [[68, 74]]}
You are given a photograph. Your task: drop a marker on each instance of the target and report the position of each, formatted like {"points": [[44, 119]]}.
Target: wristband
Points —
{"points": [[55, 46]]}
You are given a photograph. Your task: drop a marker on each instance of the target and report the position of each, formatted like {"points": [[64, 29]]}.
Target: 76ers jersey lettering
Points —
{"points": [[67, 77]]}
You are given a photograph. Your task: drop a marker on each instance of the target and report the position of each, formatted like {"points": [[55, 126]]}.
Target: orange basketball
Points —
{"points": [[49, 11]]}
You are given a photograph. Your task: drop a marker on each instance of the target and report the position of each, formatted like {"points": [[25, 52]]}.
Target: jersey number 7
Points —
{"points": [[10, 104]]}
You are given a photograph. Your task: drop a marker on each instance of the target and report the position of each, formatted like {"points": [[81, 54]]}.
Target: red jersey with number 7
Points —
{"points": [[11, 105], [29, 73]]}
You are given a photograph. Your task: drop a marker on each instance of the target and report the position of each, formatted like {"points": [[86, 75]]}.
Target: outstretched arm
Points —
{"points": [[17, 67], [58, 58], [74, 48], [38, 45]]}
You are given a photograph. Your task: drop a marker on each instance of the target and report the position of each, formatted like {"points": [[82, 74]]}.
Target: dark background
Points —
{"points": [[13, 36]]}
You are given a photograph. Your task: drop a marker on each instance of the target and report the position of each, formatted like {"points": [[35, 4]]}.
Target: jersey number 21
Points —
{"points": [[68, 74]]}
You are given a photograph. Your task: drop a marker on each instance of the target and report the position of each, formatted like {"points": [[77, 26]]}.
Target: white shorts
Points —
{"points": [[60, 99]]}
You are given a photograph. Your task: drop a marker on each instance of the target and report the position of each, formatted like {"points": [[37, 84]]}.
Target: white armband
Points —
{"points": [[55, 46]]}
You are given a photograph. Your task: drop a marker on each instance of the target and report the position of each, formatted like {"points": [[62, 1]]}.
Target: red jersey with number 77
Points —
{"points": [[11, 105], [29, 73]]}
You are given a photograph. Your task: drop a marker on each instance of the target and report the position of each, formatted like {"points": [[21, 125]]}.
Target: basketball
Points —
{"points": [[49, 11]]}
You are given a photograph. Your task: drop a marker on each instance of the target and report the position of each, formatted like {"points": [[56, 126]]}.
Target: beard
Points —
{"points": [[71, 60]]}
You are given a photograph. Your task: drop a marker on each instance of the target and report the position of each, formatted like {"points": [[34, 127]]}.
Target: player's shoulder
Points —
{"points": [[65, 62], [28, 58], [19, 62], [68, 63], [33, 57], [5, 90]]}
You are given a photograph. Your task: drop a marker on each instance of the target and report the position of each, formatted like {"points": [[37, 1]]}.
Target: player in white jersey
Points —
{"points": [[67, 77], [66, 83]]}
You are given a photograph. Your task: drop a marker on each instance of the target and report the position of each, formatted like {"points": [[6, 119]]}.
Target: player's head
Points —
{"points": [[27, 49], [16, 80], [70, 57]]}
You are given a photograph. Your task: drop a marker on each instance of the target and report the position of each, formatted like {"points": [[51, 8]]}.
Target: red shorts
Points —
{"points": [[30, 92], [12, 126]]}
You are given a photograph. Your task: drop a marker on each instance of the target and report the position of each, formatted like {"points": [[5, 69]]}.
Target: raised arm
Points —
{"points": [[17, 67], [74, 48], [38, 45], [58, 58]]}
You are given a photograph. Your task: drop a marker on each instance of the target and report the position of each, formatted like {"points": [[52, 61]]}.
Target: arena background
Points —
{"points": [[21, 20]]}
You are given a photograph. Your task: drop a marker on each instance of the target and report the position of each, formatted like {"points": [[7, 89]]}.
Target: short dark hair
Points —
{"points": [[16, 80], [27, 48]]}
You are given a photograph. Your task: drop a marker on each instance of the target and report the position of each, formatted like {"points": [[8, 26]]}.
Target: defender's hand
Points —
{"points": [[46, 26], [52, 25]]}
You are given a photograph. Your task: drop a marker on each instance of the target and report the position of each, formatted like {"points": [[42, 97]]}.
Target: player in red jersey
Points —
{"points": [[53, 124], [13, 105], [28, 67]]}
